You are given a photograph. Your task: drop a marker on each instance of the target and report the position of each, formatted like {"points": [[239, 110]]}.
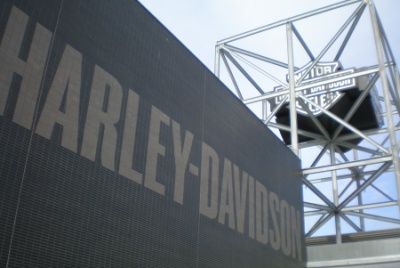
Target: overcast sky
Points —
{"points": [[199, 24]]}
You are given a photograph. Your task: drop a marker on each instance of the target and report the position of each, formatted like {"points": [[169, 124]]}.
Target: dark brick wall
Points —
{"points": [[93, 84]]}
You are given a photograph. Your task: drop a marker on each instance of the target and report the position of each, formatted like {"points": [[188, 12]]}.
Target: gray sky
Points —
{"points": [[200, 24]]}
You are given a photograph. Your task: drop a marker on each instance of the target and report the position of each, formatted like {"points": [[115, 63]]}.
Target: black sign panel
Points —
{"points": [[119, 149]]}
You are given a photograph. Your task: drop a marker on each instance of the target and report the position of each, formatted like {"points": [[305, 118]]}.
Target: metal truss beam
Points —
{"points": [[342, 165]]}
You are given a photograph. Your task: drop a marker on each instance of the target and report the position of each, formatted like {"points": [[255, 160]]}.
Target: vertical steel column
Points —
{"points": [[335, 195], [391, 127], [360, 199], [217, 61], [264, 110], [397, 82], [360, 203], [292, 92]]}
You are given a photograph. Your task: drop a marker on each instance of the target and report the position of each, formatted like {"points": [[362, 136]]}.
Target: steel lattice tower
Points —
{"points": [[351, 170]]}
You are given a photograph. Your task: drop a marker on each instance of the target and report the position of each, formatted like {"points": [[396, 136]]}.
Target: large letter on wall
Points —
{"points": [[30, 70], [128, 139], [154, 149], [102, 112], [209, 182], [67, 78]]}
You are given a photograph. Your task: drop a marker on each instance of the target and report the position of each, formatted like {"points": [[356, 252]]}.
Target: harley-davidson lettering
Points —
{"points": [[228, 194]]}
